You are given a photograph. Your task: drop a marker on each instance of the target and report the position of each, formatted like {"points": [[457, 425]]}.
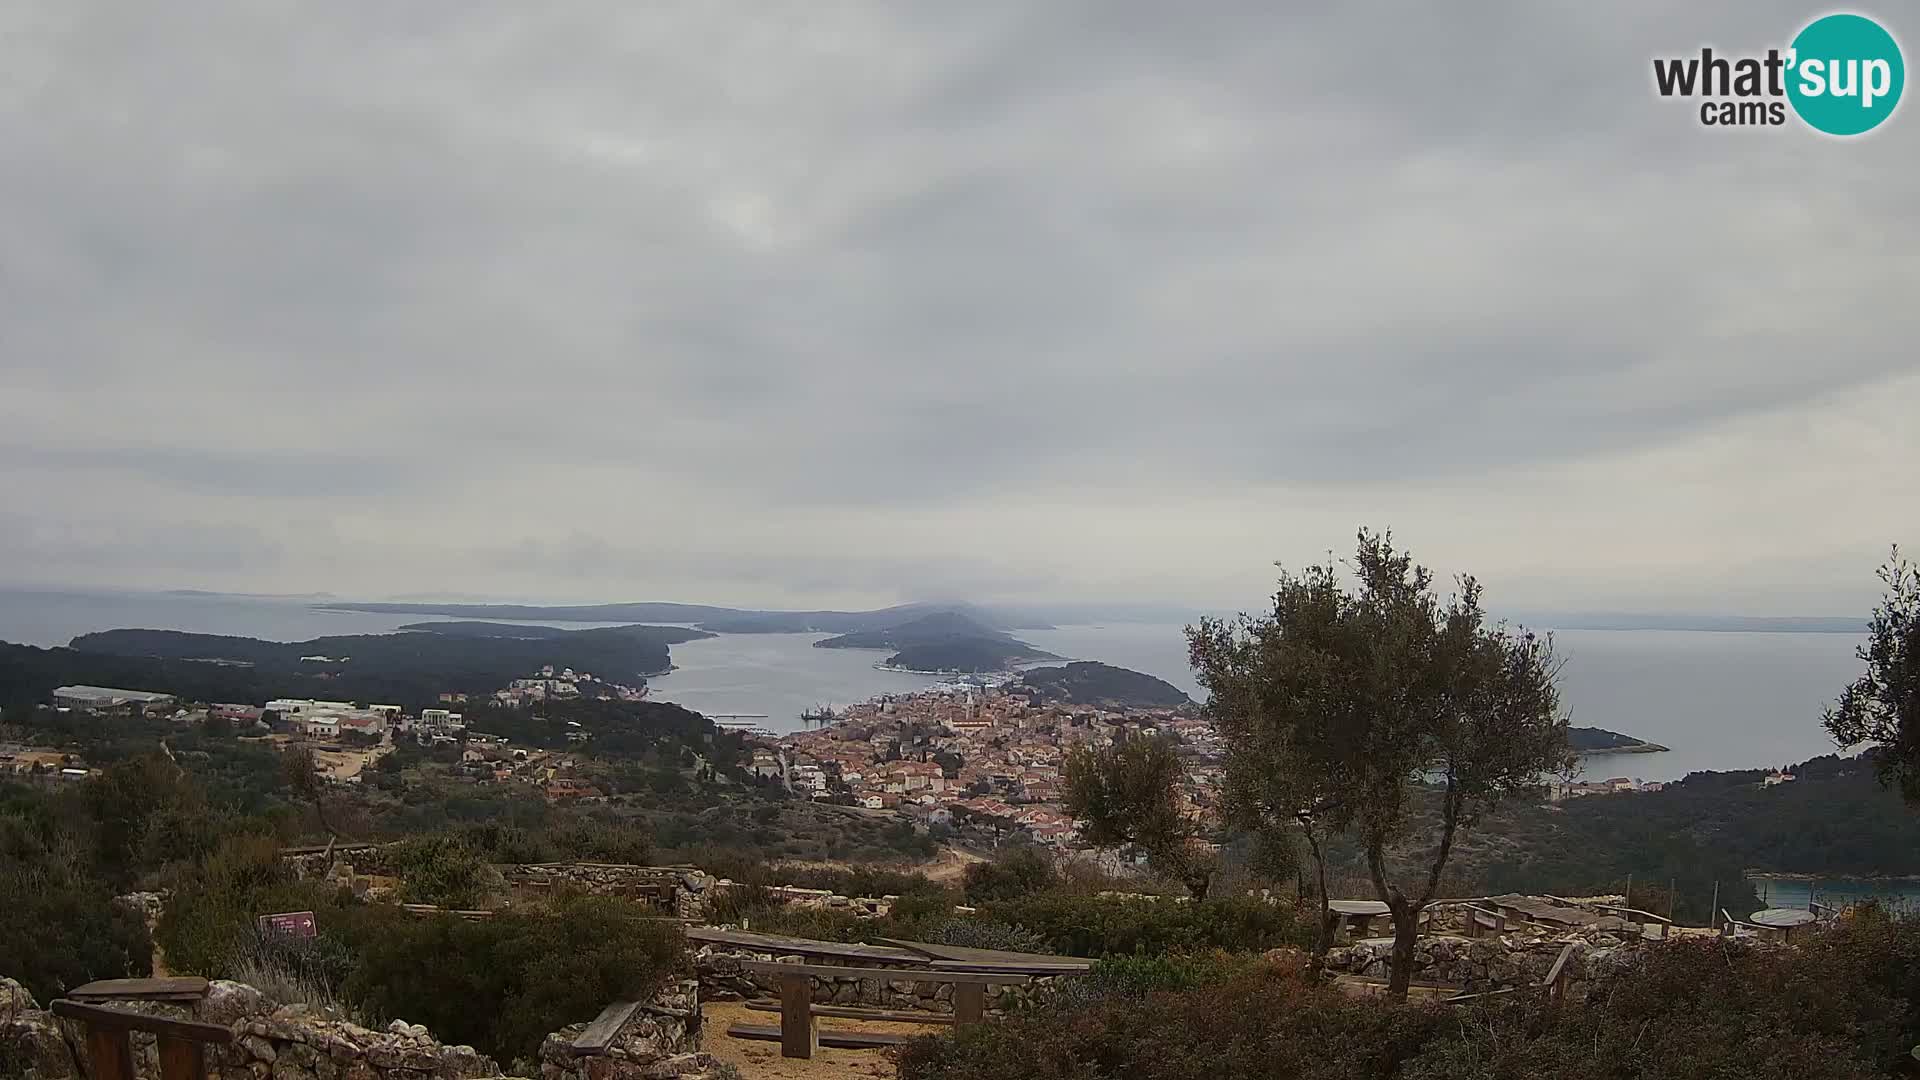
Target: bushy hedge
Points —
{"points": [[1070, 924], [59, 926], [1079, 925], [502, 984], [499, 984], [1840, 1008]]}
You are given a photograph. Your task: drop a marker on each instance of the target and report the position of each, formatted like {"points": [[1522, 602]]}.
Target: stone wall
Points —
{"points": [[351, 865], [1493, 962], [299, 1042], [691, 887], [662, 1040], [723, 977]]}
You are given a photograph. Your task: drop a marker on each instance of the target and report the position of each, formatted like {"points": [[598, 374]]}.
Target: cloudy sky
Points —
{"points": [[846, 303]]}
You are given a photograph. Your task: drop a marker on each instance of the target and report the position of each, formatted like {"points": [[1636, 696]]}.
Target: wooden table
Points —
{"points": [[800, 1035]]}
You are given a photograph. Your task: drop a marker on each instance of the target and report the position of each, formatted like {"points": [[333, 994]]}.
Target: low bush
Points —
{"points": [[59, 925], [502, 984], [1079, 925], [1017, 872], [1841, 1007], [442, 870]]}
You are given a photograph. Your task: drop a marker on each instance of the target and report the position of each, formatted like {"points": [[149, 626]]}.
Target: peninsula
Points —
{"points": [[1593, 740]]}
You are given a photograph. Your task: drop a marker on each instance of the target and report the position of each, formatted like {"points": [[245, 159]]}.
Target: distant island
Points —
{"points": [[1085, 682], [1593, 740], [409, 668], [944, 642], [719, 620]]}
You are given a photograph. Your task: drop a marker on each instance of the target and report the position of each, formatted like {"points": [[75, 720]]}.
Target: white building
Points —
{"points": [[107, 697]]}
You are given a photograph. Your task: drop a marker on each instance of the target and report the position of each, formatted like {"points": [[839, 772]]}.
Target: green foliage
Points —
{"points": [[1017, 871], [208, 925], [1142, 974], [148, 812], [1078, 925], [967, 932], [1882, 706], [1342, 706], [1840, 1008], [502, 984], [1259, 1025], [1127, 795], [59, 926], [444, 871]]}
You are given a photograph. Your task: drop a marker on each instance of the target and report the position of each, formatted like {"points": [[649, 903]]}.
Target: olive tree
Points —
{"points": [[1128, 795], [1282, 762], [1384, 711], [1882, 706]]}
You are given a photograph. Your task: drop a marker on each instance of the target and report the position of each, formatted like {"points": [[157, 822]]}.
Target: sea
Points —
{"points": [[1717, 700]]}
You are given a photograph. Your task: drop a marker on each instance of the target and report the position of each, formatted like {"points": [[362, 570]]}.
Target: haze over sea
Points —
{"points": [[1720, 700]]}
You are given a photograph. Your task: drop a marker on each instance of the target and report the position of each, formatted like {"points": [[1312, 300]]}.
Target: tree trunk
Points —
{"points": [[1406, 929], [1323, 932]]}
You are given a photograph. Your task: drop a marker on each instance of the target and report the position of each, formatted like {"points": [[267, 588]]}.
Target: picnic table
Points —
{"points": [[800, 1036], [1357, 915], [1781, 919]]}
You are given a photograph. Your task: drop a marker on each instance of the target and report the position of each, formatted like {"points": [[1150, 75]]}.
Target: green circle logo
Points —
{"points": [[1846, 74]]}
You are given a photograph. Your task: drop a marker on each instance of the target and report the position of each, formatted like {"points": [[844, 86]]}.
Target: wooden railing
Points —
{"points": [[182, 1043]]}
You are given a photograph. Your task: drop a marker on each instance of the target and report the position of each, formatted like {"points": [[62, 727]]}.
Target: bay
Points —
{"points": [[1719, 700]]}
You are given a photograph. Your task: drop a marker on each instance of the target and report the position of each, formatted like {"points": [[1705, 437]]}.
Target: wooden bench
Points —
{"points": [[182, 1043], [1646, 920], [800, 1036], [185, 988], [853, 1012], [1479, 918]]}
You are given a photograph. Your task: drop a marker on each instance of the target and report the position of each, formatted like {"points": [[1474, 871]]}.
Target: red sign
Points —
{"points": [[292, 924]]}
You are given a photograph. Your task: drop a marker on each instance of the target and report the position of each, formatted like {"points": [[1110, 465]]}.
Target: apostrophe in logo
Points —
{"points": [[1842, 75], [1846, 74]]}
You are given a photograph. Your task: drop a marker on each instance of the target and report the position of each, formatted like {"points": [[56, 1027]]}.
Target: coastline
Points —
{"points": [[1781, 875], [1636, 748]]}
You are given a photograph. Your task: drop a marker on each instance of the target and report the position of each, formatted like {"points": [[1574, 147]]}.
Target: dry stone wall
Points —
{"points": [[661, 1041], [690, 888], [1493, 962], [300, 1042]]}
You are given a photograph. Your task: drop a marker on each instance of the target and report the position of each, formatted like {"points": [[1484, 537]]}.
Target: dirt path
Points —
{"points": [[759, 1060], [951, 865]]}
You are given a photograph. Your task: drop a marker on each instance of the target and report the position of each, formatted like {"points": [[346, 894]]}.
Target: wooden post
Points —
{"points": [[969, 1003], [181, 1059], [799, 1033], [1713, 913], [109, 1055]]}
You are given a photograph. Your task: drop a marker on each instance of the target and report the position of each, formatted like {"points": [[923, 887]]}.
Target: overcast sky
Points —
{"points": [[847, 303]]}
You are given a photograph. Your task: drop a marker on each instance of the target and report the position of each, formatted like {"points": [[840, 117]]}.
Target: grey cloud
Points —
{"points": [[626, 298]]}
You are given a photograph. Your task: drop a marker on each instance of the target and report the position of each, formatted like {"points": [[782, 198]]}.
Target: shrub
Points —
{"points": [[1260, 1025], [208, 925], [59, 926], [970, 933], [1020, 871], [1077, 925], [1839, 1008], [502, 984], [442, 870]]}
